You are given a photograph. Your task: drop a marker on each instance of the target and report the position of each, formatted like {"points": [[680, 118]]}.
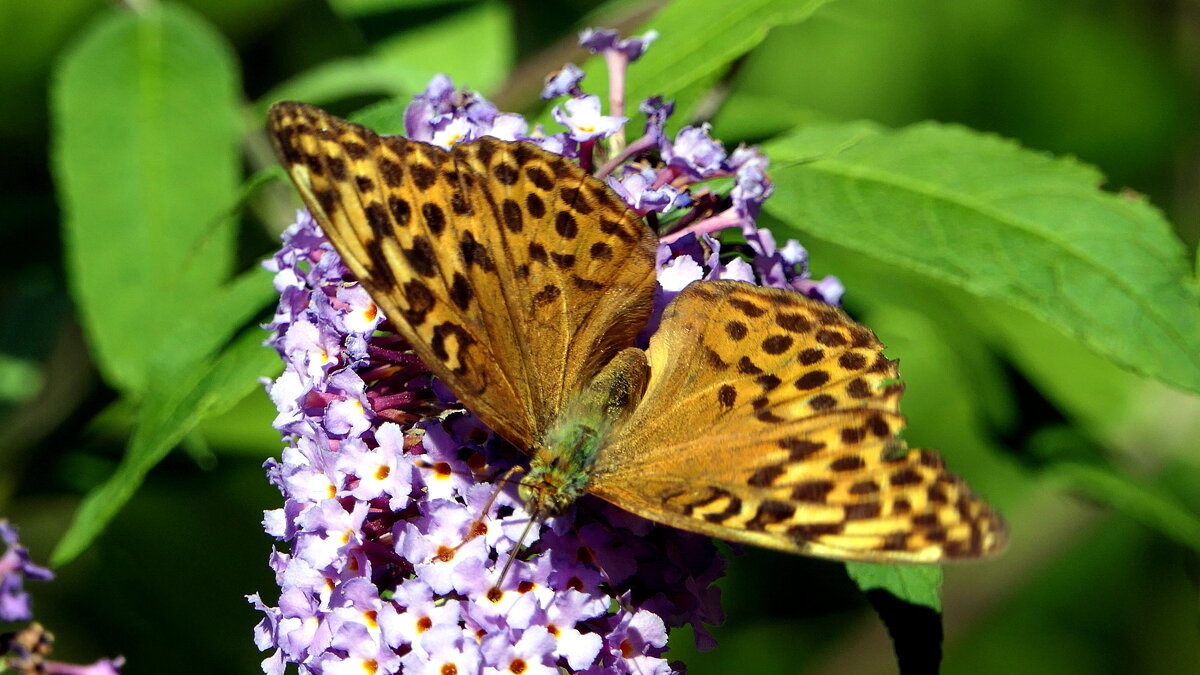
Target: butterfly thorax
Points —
{"points": [[561, 464]]}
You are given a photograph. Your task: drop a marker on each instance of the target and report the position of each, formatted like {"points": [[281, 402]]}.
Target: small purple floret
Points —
{"points": [[581, 116], [15, 568], [26, 650], [637, 187], [656, 111], [563, 82], [376, 514], [597, 40], [695, 152]]}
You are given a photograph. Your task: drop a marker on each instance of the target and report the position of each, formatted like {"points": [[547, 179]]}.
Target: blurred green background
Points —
{"points": [[1097, 469]]}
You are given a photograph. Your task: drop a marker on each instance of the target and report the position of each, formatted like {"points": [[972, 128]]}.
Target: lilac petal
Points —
{"points": [[738, 270], [16, 567], [509, 127], [597, 40], [794, 254], [421, 114], [829, 290], [656, 111], [695, 152], [583, 120], [563, 82], [455, 130], [678, 273]]}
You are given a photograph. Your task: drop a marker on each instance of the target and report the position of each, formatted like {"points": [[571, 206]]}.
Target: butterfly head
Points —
{"points": [[547, 493]]}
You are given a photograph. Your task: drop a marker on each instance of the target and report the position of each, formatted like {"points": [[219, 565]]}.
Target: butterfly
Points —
{"points": [[755, 415]]}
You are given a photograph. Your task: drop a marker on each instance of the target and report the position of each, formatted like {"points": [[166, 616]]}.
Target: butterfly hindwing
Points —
{"points": [[772, 419], [512, 273]]}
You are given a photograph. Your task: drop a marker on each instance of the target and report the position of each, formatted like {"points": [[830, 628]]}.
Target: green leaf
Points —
{"points": [[171, 410], [1147, 504], [915, 627], [754, 116], [698, 40], [980, 213], [359, 8], [20, 379], [343, 78], [917, 584], [147, 163], [404, 63], [213, 320], [1115, 407], [474, 46], [385, 117]]}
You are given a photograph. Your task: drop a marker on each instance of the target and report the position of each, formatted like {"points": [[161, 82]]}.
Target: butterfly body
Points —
{"points": [[756, 415], [563, 462]]}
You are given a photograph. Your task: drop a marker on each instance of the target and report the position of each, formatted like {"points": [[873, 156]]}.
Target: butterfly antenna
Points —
{"points": [[476, 527]]}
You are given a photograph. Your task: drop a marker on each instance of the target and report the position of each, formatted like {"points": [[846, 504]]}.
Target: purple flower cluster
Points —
{"points": [[395, 539], [396, 514], [15, 568], [26, 650]]}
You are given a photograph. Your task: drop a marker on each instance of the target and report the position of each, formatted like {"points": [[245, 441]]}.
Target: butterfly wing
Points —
{"points": [[512, 273], [771, 419]]}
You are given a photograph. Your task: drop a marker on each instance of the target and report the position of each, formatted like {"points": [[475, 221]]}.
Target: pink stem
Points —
{"points": [[393, 401], [617, 63], [719, 222]]}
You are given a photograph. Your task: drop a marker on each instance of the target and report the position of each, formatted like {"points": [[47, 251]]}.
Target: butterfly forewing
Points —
{"points": [[579, 280], [513, 274], [791, 415]]}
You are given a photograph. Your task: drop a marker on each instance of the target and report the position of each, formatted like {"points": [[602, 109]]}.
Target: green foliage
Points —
{"points": [[1145, 503], [1048, 321], [173, 408], [402, 64], [1006, 224], [697, 42], [146, 151], [146, 140], [917, 584]]}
